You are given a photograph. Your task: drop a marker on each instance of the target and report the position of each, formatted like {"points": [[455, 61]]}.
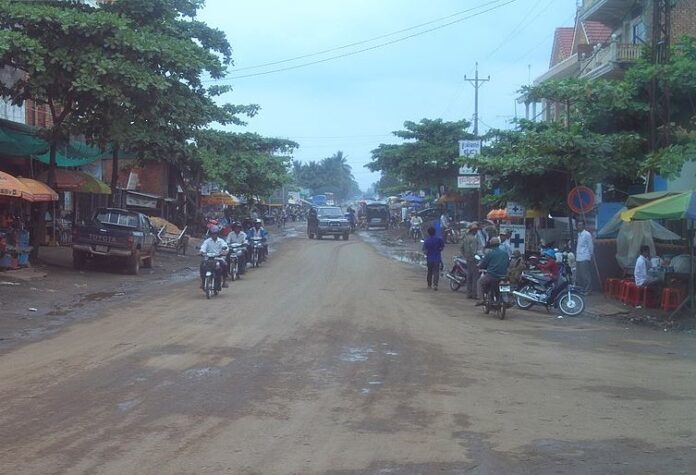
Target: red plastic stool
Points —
{"points": [[632, 294], [671, 298], [612, 288]]}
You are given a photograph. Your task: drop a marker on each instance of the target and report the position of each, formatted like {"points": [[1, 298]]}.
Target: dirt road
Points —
{"points": [[335, 360]]}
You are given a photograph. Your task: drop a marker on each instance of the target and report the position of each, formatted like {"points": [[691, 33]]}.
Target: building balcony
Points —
{"points": [[609, 61], [567, 68], [609, 12]]}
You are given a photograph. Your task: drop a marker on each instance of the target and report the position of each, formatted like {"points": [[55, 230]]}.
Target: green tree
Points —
{"points": [[332, 174], [428, 158]]}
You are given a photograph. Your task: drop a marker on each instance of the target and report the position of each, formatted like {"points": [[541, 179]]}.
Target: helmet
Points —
{"points": [[258, 221], [550, 253], [214, 230], [495, 241], [236, 224]]}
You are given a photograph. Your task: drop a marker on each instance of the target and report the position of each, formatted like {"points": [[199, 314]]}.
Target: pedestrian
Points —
{"points": [[517, 266], [469, 249], [583, 258], [505, 242], [432, 247]]}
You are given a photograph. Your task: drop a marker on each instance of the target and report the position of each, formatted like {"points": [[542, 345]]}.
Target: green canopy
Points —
{"points": [[644, 198], [19, 142], [679, 206], [73, 154]]}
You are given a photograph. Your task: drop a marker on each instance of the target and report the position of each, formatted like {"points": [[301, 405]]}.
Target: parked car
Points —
{"points": [[377, 215], [116, 235], [327, 220]]}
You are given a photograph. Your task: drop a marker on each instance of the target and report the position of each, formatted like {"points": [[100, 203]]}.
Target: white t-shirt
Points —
{"points": [[640, 273], [234, 238], [217, 246], [416, 221]]}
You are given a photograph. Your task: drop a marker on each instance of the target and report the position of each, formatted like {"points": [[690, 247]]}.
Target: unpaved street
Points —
{"points": [[333, 359]]}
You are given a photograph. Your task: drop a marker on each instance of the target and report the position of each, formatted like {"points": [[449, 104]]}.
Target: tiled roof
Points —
{"points": [[562, 44], [596, 32]]}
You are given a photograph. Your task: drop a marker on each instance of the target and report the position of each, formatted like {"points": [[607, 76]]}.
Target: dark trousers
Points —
{"points": [[472, 274], [433, 273]]}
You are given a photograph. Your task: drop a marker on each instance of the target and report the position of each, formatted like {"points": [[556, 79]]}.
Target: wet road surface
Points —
{"points": [[333, 359]]}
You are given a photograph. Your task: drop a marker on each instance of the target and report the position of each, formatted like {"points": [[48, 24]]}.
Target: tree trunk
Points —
{"points": [[114, 174]]}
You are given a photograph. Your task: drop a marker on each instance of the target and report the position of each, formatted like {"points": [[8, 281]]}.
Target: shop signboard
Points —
{"points": [[514, 210], [518, 236], [469, 148], [141, 201], [469, 182]]}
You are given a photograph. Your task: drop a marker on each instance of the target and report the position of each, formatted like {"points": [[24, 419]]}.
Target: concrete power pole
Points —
{"points": [[476, 82]]}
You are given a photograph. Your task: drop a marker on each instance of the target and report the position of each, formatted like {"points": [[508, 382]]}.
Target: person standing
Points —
{"points": [[432, 247], [583, 258], [469, 249], [505, 242]]}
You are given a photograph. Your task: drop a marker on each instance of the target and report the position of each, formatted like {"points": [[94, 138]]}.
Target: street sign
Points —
{"points": [[469, 148], [518, 237], [514, 210], [469, 181], [581, 199], [467, 170]]}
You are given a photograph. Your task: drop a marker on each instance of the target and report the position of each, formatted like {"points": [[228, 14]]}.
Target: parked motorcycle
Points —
{"points": [[451, 235], [536, 288], [458, 274], [257, 251], [212, 266]]}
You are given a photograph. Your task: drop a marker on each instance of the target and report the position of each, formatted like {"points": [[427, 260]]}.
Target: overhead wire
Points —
{"points": [[352, 53], [369, 40]]}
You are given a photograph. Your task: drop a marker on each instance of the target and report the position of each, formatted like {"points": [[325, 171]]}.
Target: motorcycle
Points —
{"points": [[458, 274], [233, 260], [212, 266], [536, 288], [257, 251], [416, 232], [451, 235], [497, 298]]}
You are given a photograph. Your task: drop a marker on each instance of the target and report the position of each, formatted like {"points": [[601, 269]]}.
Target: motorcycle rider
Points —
{"points": [[237, 236], [214, 245], [551, 268], [416, 223], [351, 218], [469, 249], [258, 231], [496, 264]]}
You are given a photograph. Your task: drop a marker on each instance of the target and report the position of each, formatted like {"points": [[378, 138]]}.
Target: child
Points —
{"points": [[432, 247]]}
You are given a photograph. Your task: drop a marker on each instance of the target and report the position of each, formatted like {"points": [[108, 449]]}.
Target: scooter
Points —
{"points": [[212, 266], [257, 251], [458, 275], [233, 260], [416, 232]]}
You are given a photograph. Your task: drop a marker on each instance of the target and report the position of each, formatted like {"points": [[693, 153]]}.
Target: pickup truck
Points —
{"points": [[327, 220], [117, 235]]}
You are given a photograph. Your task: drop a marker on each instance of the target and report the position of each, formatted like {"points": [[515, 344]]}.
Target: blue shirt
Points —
{"points": [[433, 247]]}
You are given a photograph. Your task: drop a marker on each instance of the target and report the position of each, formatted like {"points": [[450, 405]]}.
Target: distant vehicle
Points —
{"points": [[117, 235], [327, 220], [377, 215], [319, 200]]}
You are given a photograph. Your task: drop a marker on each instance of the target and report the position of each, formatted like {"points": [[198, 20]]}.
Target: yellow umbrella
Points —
{"points": [[12, 187], [39, 191]]}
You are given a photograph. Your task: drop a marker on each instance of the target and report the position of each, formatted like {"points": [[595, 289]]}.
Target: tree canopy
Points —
{"points": [[330, 175]]}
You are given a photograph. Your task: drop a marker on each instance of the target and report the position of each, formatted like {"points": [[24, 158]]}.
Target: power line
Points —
{"points": [[524, 23], [380, 45], [375, 38]]}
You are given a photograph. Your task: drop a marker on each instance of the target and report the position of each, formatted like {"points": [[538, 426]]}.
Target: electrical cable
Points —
{"points": [[352, 53], [375, 38], [524, 23]]}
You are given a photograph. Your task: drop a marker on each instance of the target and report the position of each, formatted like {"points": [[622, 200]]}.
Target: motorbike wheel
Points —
{"points": [[255, 258], [487, 304], [454, 285], [208, 287], [501, 307], [523, 303], [571, 304], [234, 271]]}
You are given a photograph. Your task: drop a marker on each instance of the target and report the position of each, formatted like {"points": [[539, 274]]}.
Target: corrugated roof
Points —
{"points": [[596, 32], [562, 44]]}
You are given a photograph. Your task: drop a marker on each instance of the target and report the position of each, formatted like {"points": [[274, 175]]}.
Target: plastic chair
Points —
{"points": [[632, 294], [612, 288], [671, 299]]}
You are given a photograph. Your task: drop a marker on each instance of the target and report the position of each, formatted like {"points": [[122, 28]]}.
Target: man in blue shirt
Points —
{"points": [[496, 264], [432, 247]]}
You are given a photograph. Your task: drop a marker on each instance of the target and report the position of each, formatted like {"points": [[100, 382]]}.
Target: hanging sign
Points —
{"points": [[469, 181], [469, 148], [514, 210], [518, 236], [581, 199]]}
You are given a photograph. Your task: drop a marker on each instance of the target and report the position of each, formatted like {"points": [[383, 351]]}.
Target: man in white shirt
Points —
{"points": [[640, 273], [237, 236], [216, 246], [416, 222], [583, 258]]}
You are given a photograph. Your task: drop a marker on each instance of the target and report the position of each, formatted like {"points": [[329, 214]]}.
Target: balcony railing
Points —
{"points": [[610, 58]]}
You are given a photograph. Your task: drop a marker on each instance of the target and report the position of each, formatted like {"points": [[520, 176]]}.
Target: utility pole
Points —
{"points": [[476, 82], [660, 114]]}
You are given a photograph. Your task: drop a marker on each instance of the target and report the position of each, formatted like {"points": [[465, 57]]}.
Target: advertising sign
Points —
{"points": [[469, 182], [518, 237], [469, 148]]}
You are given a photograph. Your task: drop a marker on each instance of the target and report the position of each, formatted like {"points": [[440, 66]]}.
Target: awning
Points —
{"points": [[679, 206], [39, 191], [219, 198], [637, 200], [13, 188], [79, 182]]}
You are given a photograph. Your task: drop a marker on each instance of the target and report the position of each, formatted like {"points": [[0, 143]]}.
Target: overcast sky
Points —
{"points": [[353, 103]]}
